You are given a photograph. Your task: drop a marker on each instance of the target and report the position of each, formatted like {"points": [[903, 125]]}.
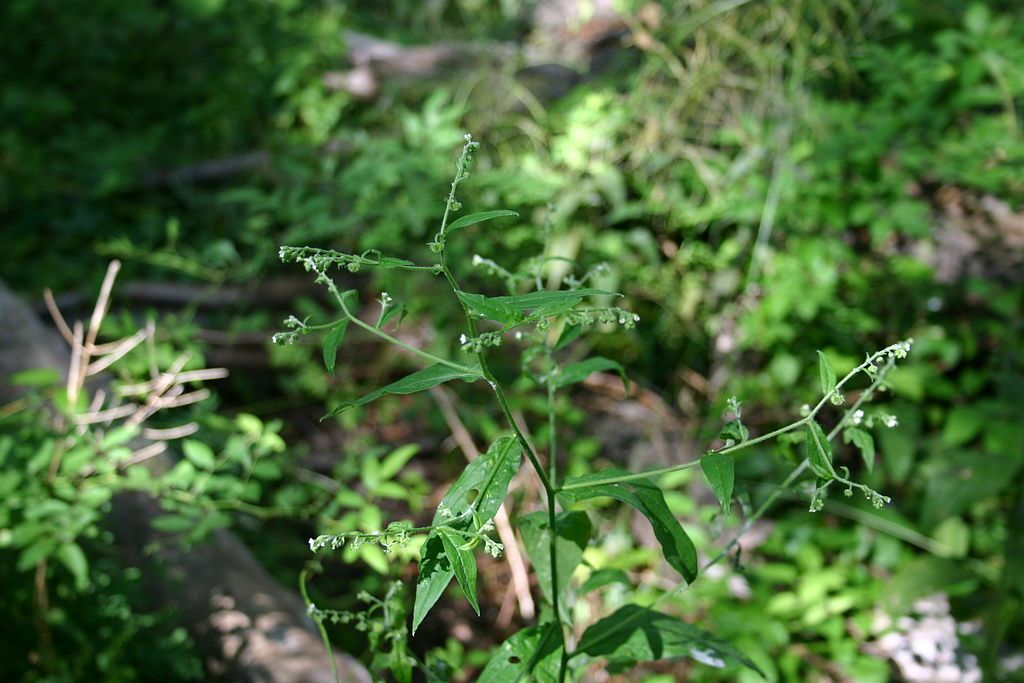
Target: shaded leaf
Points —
{"points": [[719, 471], [410, 384], [734, 431], [463, 564], [474, 218], [487, 478], [535, 651], [332, 342], [864, 442], [604, 577], [545, 298], [577, 372], [827, 374], [199, 454], [819, 452], [487, 307], [390, 313], [643, 495], [639, 634], [572, 531], [570, 334], [72, 557]]}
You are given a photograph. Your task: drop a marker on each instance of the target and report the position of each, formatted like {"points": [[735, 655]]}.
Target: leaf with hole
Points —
{"points": [[826, 373], [532, 654], [577, 372], [643, 495], [864, 442], [719, 471], [639, 634], [819, 452], [572, 531], [463, 564], [474, 218], [411, 384], [480, 488]]}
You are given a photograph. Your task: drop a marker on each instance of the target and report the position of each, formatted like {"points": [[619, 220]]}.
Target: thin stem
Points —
{"points": [[319, 625]]}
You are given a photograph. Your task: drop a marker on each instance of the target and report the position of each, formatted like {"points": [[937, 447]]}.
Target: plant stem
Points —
{"points": [[319, 626]]}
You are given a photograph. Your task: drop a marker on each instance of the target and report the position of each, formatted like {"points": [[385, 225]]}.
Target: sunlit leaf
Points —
{"points": [[639, 634], [481, 489], [643, 495], [199, 454], [410, 384], [463, 564], [719, 471], [474, 218], [533, 654], [827, 374]]}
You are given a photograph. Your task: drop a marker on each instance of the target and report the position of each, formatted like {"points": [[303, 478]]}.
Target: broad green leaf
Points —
{"points": [[827, 374], [463, 563], [331, 343], [34, 377], [572, 531], [604, 577], [410, 384], [719, 471], [643, 495], [199, 454], [819, 452], [639, 634], [396, 459], [474, 218], [487, 478], [734, 431], [577, 372], [487, 307], [533, 654], [72, 557], [864, 442]]}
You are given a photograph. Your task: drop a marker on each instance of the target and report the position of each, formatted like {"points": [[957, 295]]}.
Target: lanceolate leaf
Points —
{"points": [[463, 563], [828, 375], [474, 218], [643, 495], [639, 634], [719, 471], [533, 654], [546, 297], [864, 442], [577, 372], [819, 452], [331, 343], [572, 531], [487, 307], [410, 384], [486, 478], [603, 577]]}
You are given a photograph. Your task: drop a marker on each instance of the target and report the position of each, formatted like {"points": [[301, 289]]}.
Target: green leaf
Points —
{"points": [[410, 384], [34, 377], [474, 218], [734, 431], [487, 479], [577, 372], [828, 375], [864, 442], [570, 334], [533, 654], [719, 471], [396, 460], [72, 557], [463, 563], [199, 454], [546, 297], [331, 343], [819, 452], [643, 495], [639, 634], [487, 307], [604, 577], [572, 531], [390, 313]]}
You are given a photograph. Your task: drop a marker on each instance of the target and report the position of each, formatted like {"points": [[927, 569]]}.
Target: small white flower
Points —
{"points": [[858, 417], [463, 339], [890, 421]]}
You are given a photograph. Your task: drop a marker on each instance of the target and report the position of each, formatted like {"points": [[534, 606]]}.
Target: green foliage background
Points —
{"points": [[764, 178]]}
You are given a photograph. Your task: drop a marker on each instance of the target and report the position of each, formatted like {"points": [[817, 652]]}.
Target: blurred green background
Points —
{"points": [[765, 178]]}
